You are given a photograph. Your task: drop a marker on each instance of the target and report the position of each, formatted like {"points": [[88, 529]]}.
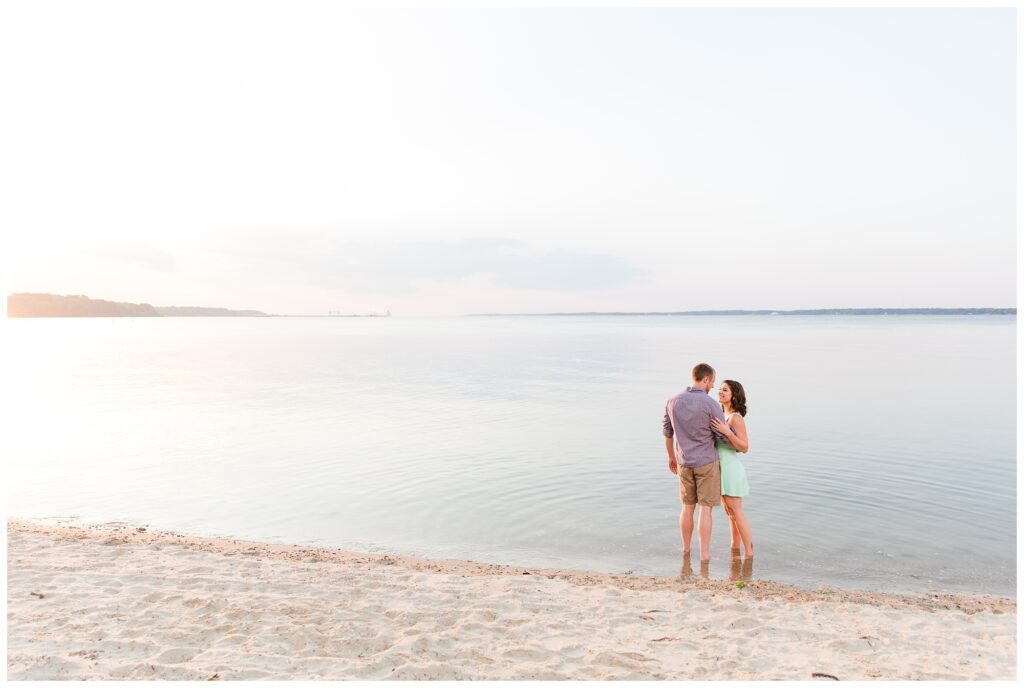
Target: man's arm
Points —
{"points": [[716, 414], [668, 432]]}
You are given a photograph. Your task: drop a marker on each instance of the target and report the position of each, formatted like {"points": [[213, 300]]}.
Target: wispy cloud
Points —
{"points": [[395, 267]]}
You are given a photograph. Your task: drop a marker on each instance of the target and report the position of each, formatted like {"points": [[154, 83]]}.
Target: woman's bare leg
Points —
{"points": [[740, 520], [734, 533]]}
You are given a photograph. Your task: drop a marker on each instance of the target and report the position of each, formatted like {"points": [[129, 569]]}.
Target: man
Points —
{"points": [[690, 443]]}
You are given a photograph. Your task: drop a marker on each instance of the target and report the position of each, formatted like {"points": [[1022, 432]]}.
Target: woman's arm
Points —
{"points": [[735, 432], [739, 427]]}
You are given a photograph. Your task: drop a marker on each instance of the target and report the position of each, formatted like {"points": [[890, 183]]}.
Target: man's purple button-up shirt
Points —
{"points": [[688, 419]]}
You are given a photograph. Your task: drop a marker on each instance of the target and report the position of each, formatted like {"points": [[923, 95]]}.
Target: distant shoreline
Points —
{"points": [[38, 305], [815, 311], [824, 312], [41, 305]]}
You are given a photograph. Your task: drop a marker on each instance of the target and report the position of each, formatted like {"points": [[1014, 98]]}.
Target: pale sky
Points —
{"points": [[438, 162]]}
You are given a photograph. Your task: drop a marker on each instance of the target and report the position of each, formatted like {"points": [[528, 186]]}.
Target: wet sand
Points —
{"points": [[116, 602]]}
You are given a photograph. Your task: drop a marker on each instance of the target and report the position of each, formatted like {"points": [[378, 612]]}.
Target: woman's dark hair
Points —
{"points": [[739, 397]]}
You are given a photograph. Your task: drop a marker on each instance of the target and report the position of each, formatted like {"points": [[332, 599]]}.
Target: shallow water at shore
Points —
{"points": [[531, 441]]}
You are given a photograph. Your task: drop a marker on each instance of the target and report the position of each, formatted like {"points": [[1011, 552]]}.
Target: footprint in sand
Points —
{"points": [[857, 645], [523, 653], [621, 660], [176, 655], [232, 640], [571, 651], [127, 649], [743, 622], [246, 675], [48, 667]]}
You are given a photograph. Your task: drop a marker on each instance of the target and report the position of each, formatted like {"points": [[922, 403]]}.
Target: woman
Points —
{"points": [[734, 478]]}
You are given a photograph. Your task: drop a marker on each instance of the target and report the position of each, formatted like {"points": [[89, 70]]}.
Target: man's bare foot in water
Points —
{"points": [[686, 569]]}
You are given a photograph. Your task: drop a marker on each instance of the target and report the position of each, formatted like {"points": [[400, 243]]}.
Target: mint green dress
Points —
{"points": [[734, 478]]}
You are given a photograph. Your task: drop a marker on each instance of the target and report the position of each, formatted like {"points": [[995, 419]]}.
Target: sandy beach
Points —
{"points": [[117, 602]]}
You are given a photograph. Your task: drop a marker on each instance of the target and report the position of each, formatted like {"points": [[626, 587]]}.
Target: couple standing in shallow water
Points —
{"points": [[703, 441]]}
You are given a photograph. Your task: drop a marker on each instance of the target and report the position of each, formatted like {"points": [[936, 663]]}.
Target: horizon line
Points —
{"points": [[868, 310]]}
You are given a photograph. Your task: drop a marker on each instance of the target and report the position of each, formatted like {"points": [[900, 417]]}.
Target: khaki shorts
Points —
{"points": [[702, 485]]}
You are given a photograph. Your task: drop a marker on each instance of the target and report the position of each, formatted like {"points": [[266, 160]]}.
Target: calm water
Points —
{"points": [[882, 448]]}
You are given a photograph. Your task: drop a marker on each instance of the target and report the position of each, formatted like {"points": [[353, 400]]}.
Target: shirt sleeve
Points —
{"points": [[666, 425], [716, 412]]}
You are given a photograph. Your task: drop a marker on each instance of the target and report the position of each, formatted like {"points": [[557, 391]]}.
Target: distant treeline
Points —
{"points": [[80, 306], [815, 311], [199, 311]]}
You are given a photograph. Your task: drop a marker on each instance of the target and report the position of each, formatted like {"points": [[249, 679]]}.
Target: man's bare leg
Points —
{"points": [[704, 532], [686, 526]]}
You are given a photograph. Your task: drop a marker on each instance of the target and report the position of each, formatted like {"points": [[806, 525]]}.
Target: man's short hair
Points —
{"points": [[701, 371]]}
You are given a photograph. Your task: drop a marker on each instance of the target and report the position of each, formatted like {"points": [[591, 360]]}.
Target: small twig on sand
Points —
{"points": [[667, 638], [38, 594], [215, 677], [818, 674]]}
